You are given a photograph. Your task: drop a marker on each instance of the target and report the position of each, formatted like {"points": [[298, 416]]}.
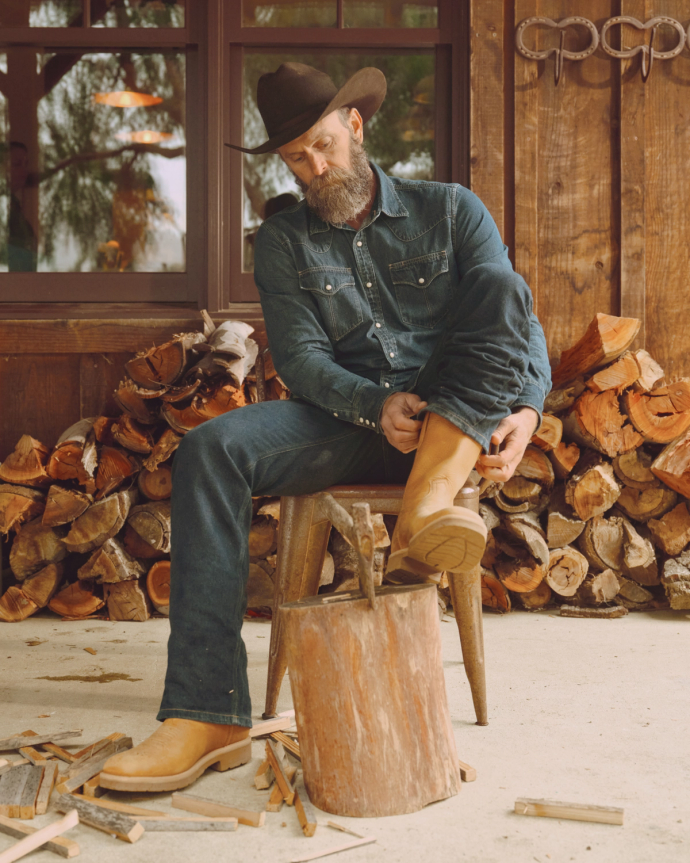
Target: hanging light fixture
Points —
{"points": [[127, 99], [144, 136]]}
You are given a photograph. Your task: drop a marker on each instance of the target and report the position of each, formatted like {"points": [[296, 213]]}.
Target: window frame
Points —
{"points": [[227, 284], [146, 288]]}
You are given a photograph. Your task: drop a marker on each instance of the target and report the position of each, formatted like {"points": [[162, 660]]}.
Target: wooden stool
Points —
{"points": [[303, 539]]}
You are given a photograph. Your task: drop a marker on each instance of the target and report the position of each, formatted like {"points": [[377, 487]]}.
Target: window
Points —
{"points": [[94, 99]]}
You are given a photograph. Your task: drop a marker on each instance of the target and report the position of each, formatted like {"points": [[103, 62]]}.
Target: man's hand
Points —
{"points": [[515, 432], [401, 431]]}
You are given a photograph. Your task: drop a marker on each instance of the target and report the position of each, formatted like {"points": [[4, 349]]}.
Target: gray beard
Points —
{"points": [[341, 194]]}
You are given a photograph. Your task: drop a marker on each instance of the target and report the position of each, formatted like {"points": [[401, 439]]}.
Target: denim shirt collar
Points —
{"points": [[386, 201]]}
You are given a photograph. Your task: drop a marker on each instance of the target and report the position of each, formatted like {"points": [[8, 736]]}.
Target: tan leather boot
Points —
{"points": [[432, 534], [176, 754]]}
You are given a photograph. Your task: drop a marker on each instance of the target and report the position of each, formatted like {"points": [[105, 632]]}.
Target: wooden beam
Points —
{"points": [[46, 789], [124, 828]]}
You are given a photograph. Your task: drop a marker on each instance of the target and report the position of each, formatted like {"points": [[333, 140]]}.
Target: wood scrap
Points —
{"points": [[672, 466], [196, 825], [77, 600], [12, 788], [275, 800], [115, 823], [59, 752], [467, 773], [671, 532], [592, 488], [305, 811], [605, 339], [617, 376], [564, 458], [127, 600], [601, 613], [204, 806], [59, 845], [661, 415], [566, 571], [336, 850], [494, 594], [548, 436], [39, 838], [110, 564], [92, 787], [87, 767], [101, 521], [25, 465], [42, 585], [268, 726], [570, 811], [643, 505], [264, 776], [286, 787], [290, 745], [676, 581], [15, 606], [19, 740], [538, 598], [19, 505], [634, 469], [50, 773], [343, 829], [34, 547], [596, 421]]}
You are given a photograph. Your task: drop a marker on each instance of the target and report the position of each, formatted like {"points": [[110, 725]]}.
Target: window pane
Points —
{"points": [[390, 13], [94, 185], [399, 137], [289, 13], [137, 13], [40, 13], [4, 174]]}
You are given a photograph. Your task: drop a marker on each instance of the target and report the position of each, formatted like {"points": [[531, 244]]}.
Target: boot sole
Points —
{"points": [[220, 759], [454, 542], [403, 569]]}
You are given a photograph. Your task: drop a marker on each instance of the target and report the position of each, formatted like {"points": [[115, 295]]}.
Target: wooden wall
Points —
{"points": [[587, 180]]}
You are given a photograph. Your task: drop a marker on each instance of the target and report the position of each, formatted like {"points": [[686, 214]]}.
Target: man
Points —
{"points": [[384, 300]]}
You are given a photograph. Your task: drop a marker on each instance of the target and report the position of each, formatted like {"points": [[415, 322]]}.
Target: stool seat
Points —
{"points": [[302, 544]]}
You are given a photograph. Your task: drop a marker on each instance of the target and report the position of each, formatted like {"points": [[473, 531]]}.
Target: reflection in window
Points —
{"points": [[399, 137], [53, 13], [137, 13], [289, 13], [95, 164], [390, 13]]}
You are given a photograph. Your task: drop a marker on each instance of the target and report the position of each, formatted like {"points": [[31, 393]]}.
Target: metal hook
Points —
{"points": [[647, 65]]}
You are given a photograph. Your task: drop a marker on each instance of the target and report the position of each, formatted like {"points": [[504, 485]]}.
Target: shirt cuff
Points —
{"points": [[530, 397], [369, 406]]}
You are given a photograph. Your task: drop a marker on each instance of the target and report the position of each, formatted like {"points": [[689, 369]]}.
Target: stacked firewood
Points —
{"points": [[596, 516], [88, 520]]}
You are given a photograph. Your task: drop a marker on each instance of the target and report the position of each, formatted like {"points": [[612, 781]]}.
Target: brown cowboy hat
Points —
{"points": [[295, 97]]}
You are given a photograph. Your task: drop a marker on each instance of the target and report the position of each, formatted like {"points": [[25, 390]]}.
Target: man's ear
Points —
{"points": [[356, 124]]}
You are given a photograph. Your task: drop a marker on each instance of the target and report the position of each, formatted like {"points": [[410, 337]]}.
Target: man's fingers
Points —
{"points": [[404, 423]]}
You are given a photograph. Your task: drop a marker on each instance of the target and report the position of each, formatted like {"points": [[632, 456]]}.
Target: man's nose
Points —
{"points": [[318, 164]]}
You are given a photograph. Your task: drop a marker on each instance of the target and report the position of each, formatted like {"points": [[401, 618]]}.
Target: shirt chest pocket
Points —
{"points": [[422, 288], [334, 291]]}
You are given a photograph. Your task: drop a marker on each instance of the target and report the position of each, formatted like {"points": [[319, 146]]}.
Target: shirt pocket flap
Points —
{"points": [[419, 272], [326, 282]]}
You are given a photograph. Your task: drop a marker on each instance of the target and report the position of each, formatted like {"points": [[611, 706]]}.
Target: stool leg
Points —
{"points": [[466, 595], [301, 552]]}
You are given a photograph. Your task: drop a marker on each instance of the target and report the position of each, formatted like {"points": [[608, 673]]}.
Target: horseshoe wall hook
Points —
{"points": [[648, 51], [560, 52]]}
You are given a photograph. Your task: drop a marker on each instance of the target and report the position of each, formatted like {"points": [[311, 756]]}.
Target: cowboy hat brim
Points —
{"points": [[365, 91]]}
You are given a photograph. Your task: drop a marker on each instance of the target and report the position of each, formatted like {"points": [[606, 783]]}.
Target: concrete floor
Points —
{"points": [[587, 711]]}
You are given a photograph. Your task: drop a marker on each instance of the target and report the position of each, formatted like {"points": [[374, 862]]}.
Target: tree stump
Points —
{"points": [[370, 701]]}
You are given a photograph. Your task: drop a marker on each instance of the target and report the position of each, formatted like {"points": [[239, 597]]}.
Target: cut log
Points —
{"points": [[114, 467], [598, 588], [531, 535], [183, 393], [260, 588], [26, 464], [76, 601], [164, 447], [42, 586], [19, 505], [617, 376], [137, 547], [605, 339], [164, 364], [490, 516], [592, 489], [563, 526], [633, 592], [126, 601], [671, 532], [647, 504], [271, 508], [327, 570], [100, 522], [63, 505], [538, 598], [602, 543], [494, 594], [661, 415], [651, 373], [75, 455], [491, 551], [639, 558], [634, 469], [595, 421], [564, 458], [156, 484], [133, 436], [535, 466], [158, 586], [601, 613], [520, 575], [181, 420], [549, 433], [128, 398], [16, 606], [102, 429], [152, 522], [34, 547], [566, 571], [110, 564], [562, 398], [676, 581], [672, 466], [262, 537], [220, 400], [398, 766], [519, 490]]}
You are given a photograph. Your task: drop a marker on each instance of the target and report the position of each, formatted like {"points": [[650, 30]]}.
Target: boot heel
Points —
{"points": [[235, 758]]}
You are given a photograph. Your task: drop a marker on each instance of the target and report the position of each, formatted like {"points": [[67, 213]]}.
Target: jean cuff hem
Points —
{"points": [[204, 716], [463, 424]]}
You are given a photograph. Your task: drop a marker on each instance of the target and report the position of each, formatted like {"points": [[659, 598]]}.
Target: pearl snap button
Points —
{"points": [[359, 242], [361, 419], [378, 326], [368, 284], [335, 414], [421, 281], [391, 354], [366, 421], [329, 287], [386, 386]]}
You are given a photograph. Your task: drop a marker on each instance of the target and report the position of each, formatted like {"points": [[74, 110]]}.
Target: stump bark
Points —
{"points": [[370, 701]]}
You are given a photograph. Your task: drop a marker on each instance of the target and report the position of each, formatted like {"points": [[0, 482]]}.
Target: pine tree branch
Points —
{"points": [[136, 149]]}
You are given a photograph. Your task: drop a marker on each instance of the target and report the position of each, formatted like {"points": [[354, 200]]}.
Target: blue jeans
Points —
{"points": [[274, 448]]}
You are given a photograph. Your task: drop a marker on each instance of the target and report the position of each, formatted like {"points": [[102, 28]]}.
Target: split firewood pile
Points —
{"points": [[87, 522], [596, 517]]}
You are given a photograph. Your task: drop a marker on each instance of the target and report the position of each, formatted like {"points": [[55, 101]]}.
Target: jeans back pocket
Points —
{"points": [[422, 288], [335, 293]]}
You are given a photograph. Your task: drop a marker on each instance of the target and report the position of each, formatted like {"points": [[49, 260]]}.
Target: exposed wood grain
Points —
{"points": [[64, 847], [204, 806], [40, 837], [32, 739], [570, 811], [115, 823], [27, 804], [46, 789], [11, 790]]}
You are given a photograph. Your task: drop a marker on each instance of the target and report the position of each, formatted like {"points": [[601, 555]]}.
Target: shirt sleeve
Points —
{"points": [[538, 376], [302, 352]]}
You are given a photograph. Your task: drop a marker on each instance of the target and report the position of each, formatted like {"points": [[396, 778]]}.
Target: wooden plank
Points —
{"points": [[305, 811], [268, 726], [99, 375], [46, 789], [64, 847], [124, 828], [27, 804], [264, 775], [92, 787], [59, 752], [335, 850], [89, 751], [37, 758], [275, 800], [117, 806], [81, 771], [569, 811], [282, 780], [467, 773], [153, 817], [487, 108], [11, 789], [40, 837], [290, 745], [197, 825], [204, 806]]}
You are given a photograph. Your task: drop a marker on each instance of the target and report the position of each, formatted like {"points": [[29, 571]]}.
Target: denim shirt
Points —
{"points": [[354, 315]]}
